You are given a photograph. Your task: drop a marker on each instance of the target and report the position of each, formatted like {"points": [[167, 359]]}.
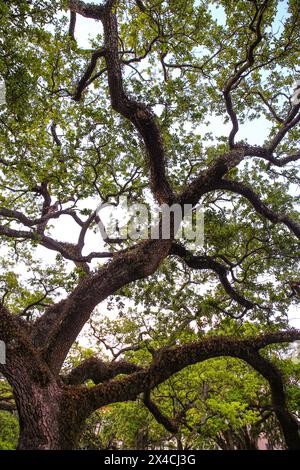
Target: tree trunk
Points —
{"points": [[49, 416], [179, 443], [39, 414]]}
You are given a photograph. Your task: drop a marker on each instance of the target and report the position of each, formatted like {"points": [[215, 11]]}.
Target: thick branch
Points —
{"points": [[208, 179], [99, 371], [15, 333], [138, 113], [171, 360], [289, 425], [10, 324], [60, 325], [88, 10], [266, 154]]}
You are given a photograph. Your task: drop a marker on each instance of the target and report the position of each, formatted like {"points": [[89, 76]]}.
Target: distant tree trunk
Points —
{"points": [[237, 440], [179, 443], [141, 440]]}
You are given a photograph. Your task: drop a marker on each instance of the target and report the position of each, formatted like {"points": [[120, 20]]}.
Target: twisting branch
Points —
{"points": [[169, 424], [99, 371], [289, 424], [266, 154], [139, 114], [52, 214], [168, 361], [245, 191], [207, 262], [208, 179], [72, 25], [60, 325], [244, 65], [291, 121], [67, 250], [84, 81]]}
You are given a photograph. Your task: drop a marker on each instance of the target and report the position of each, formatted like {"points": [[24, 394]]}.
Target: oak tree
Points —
{"points": [[143, 112]]}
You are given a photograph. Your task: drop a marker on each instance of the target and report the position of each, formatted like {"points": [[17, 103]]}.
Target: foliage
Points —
{"points": [[187, 102]]}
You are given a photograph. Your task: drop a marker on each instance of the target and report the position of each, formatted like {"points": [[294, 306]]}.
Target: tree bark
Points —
{"points": [[50, 418], [40, 423]]}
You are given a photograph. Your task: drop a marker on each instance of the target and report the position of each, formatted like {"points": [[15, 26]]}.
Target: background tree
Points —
{"points": [[126, 117], [221, 403]]}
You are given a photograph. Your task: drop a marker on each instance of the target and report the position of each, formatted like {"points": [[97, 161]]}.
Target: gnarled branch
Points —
{"points": [[245, 191], [99, 371], [207, 262], [171, 360]]}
